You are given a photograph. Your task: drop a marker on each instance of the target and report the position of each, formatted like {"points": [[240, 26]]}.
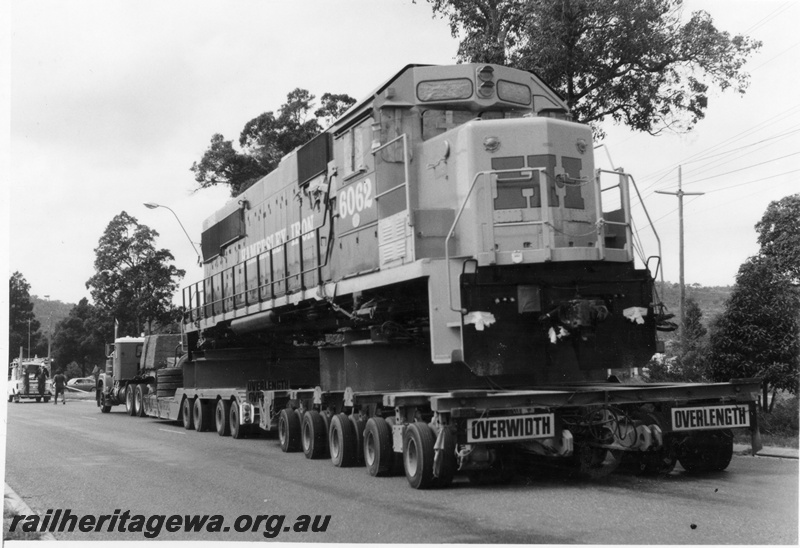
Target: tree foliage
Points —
{"points": [[265, 139], [684, 364], [779, 236], [134, 281], [635, 61], [81, 338], [759, 333], [20, 313]]}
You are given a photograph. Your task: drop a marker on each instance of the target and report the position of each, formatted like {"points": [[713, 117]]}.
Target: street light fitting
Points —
{"points": [[152, 205]]}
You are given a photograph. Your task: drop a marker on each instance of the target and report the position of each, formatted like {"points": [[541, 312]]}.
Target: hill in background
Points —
{"points": [[50, 312], [711, 300]]}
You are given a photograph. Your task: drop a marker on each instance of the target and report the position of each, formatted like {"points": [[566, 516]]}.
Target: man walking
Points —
{"points": [[59, 381]]}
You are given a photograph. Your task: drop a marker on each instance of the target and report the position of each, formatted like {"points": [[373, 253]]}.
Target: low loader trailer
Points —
{"points": [[484, 434]]}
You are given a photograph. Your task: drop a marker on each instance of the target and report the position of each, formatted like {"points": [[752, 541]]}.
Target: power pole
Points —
{"points": [[680, 194]]}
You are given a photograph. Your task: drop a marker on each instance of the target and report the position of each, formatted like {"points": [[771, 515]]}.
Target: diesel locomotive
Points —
{"points": [[441, 282]]}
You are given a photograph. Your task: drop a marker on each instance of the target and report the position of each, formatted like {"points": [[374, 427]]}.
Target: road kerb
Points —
{"points": [[778, 452]]}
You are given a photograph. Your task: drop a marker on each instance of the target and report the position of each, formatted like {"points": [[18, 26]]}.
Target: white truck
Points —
{"points": [[23, 381]]}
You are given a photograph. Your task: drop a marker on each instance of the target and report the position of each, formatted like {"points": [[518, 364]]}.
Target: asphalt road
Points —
{"points": [[73, 457]]}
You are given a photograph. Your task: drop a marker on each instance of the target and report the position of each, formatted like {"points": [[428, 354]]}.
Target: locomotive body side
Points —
{"points": [[441, 213]]}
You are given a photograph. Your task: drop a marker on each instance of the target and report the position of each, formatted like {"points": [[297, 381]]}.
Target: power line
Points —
{"points": [[667, 170], [742, 168], [770, 16]]}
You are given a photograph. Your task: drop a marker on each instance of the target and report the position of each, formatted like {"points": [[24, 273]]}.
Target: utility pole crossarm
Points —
{"points": [[680, 194]]}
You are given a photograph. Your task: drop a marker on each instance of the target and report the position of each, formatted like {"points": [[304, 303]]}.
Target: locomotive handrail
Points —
{"points": [[644, 208], [197, 310]]}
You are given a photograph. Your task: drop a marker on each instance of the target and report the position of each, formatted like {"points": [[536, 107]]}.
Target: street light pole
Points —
{"points": [[151, 205], [49, 325]]}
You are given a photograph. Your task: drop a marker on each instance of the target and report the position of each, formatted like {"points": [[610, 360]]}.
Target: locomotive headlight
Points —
{"points": [[485, 81]]}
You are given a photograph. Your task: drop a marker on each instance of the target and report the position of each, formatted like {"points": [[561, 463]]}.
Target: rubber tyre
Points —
{"points": [[378, 452], [656, 462], [102, 403], [596, 462], [201, 415], [238, 431], [418, 453], [709, 451], [342, 441], [38, 400], [359, 425], [138, 401], [222, 413], [289, 431], [47, 399], [129, 400], [187, 413], [314, 435]]}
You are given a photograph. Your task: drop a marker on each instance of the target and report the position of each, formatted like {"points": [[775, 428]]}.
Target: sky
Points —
{"points": [[111, 101]]}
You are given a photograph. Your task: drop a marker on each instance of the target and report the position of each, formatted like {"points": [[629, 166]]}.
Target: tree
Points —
{"points": [[134, 281], [779, 236], [81, 338], [688, 364], [758, 335], [265, 139], [693, 325], [634, 61], [22, 324]]}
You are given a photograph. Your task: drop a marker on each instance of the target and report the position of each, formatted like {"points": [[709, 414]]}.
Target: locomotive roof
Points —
{"points": [[359, 105]]}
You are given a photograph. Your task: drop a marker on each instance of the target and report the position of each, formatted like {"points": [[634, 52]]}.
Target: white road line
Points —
{"points": [[173, 431]]}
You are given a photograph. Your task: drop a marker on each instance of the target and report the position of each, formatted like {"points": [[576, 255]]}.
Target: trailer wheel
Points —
{"points": [[238, 431], [314, 435], [201, 415], [46, 399], [342, 441], [138, 402], [289, 431], [221, 417], [38, 400], [656, 462], [104, 408], [709, 451], [187, 414], [359, 424], [378, 453], [129, 405], [418, 453], [597, 462]]}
